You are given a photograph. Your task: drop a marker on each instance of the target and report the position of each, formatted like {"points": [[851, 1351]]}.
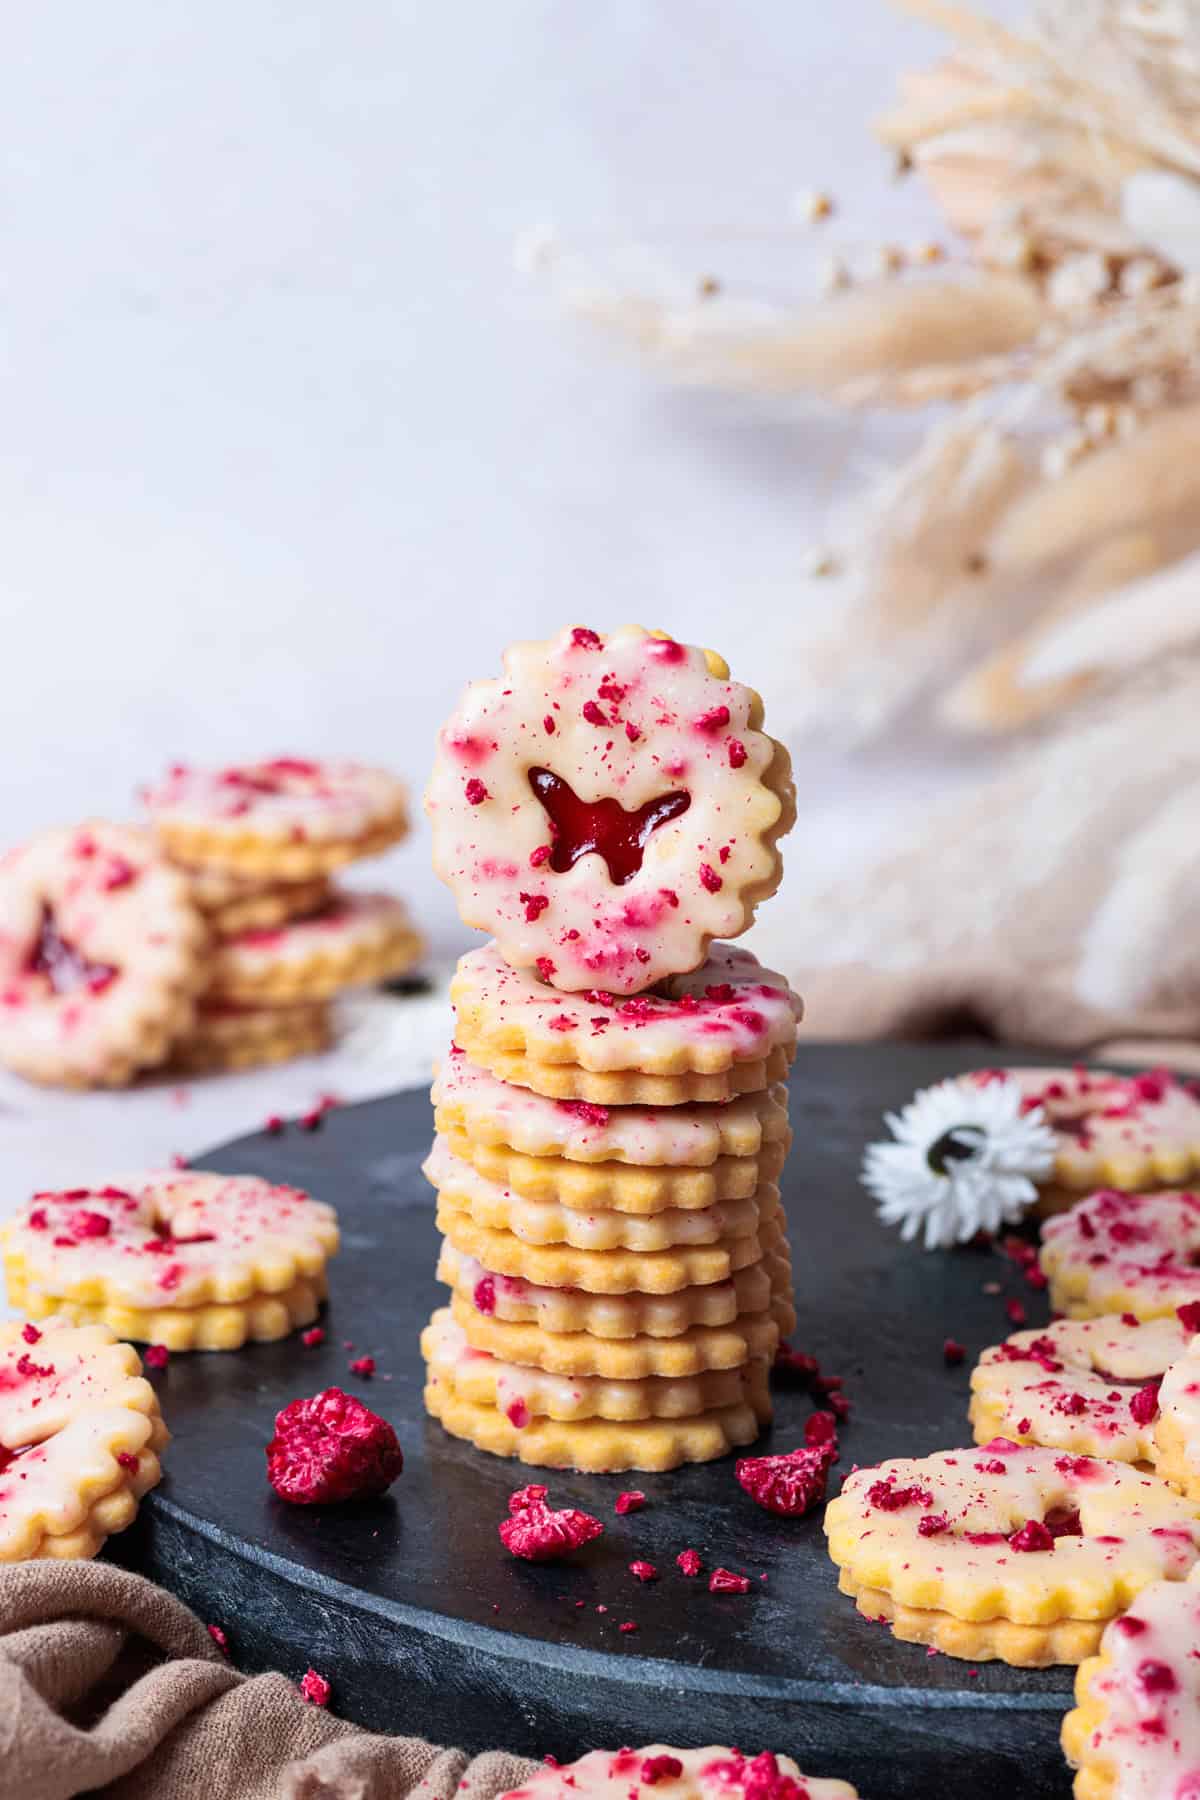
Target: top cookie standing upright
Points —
{"points": [[608, 807]]}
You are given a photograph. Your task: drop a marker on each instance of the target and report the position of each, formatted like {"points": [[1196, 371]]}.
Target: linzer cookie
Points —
{"points": [[233, 903], [473, 1104], [224, 1035], [713, 1773], [1083, 1385], [101, 956], [1118, 1253], [1134, 1733], [188, 1259], [463, 1189], [600, 1446], [287, 819], [523, 1393], [80, 1439], [355, 941], [608, 807], [1132, 1132], [727, 1028], [1005, 1551], [620, 1315]]}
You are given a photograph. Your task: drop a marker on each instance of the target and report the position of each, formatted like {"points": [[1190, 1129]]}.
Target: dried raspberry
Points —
{"points": [[795, 1362], [632, 1501], [627, 1625], [715, 719], [584, 639], [273, 1125], [1129, 1626], [724, 1581], [484, 1295], [932, 1523], [331, 1447], [952, 1352], [689, 1561], [1144, 1404], [517, 1414], [710, 879], [156, 1356], [545, 967], [889, 1498], [536, 1533], [476, 792], [219, 1639], [315, 1688], [31, 1334], [33, 1371], [312, 1337], [594, 714], [38, 1220], [631, 731], [1033, 1535], [128, 1461], [548, 724], [737, 753], [660, 1768], [789, 1485], [1189, 1315], [364, 1366], [85, 1224], [1156, 1677], [1016, 1311], [821, 1428], [645, 1571], [587, 1111], [837, 1403], [534, 904]]}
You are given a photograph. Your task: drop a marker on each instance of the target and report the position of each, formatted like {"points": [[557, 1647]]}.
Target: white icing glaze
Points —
{"points": [[287, 799], [1115, 1130], [713, 1773], [693, 1135], [628, 718], [1149, 1688], [512, 1298], [545, 1222], [729, 1010], [1070, 1385], [523, 1393], [71, 1399], [129, 1240], [353, 923], [1126, 1252], [122, 955], [1131, 1529], [1179, 1398]]}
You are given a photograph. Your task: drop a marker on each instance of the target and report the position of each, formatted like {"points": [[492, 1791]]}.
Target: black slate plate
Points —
{"points": [[423, 1623]]}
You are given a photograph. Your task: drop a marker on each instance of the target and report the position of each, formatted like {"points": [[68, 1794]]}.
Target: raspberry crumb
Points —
{"points": [[364, 1366], [1033, 1535], [534, 904], [128, 1461], [273, 1125], [645, 1571], [594, 714], [312, 1337], [585, 639], [821, 1428], [156, 1356], [545, 967], [1144, 1404], [789, 1485], [627, 1625], [709, 878], [1189, 1315], [476, 792], [219, 1639], [690, 1562], [331, 1447], [31, 1334], [715, 719], [632, 1501], [536, 1533], [724, 1581], [1016, 1311], [737, 753], [660, 1768], [952, 1352], [315, 1688]]}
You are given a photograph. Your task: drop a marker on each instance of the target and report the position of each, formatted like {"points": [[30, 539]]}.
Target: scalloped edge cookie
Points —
{"points": [[259, 1319]]}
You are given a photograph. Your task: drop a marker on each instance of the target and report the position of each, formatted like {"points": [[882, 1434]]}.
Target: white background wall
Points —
{"points": [[287, 452]]}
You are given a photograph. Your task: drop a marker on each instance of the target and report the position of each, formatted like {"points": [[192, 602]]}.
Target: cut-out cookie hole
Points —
{"points": [[66, 969], [603, 827]]}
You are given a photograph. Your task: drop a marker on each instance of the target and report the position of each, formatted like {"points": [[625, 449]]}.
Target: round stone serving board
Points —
{"points": [[424, 1624]]}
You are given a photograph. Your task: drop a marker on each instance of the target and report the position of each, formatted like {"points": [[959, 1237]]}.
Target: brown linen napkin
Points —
{"points": [[108, 1686]]}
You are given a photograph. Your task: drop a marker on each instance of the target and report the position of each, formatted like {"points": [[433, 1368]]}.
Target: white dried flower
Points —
{"points": [[965, 1158], [1078, 280]]}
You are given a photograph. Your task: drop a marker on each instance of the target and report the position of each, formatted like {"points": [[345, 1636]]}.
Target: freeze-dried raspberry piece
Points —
{"points": [[537, 1533], [1144, 1404], [1033, 1535], [660, 1768], [645, 1571], [331, 1447], [632, 1500], [789, 1485], [219, 1639], [724, 1581], [156, 1356], [315, 1688], [690, 1562]]}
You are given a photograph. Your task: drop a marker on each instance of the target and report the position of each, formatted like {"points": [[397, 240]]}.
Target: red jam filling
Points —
{"points": [[66, 969], [601, 827]]}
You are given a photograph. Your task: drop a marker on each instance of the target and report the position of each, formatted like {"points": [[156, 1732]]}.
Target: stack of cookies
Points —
{"points": [[611, 1118], [259, 843]]}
